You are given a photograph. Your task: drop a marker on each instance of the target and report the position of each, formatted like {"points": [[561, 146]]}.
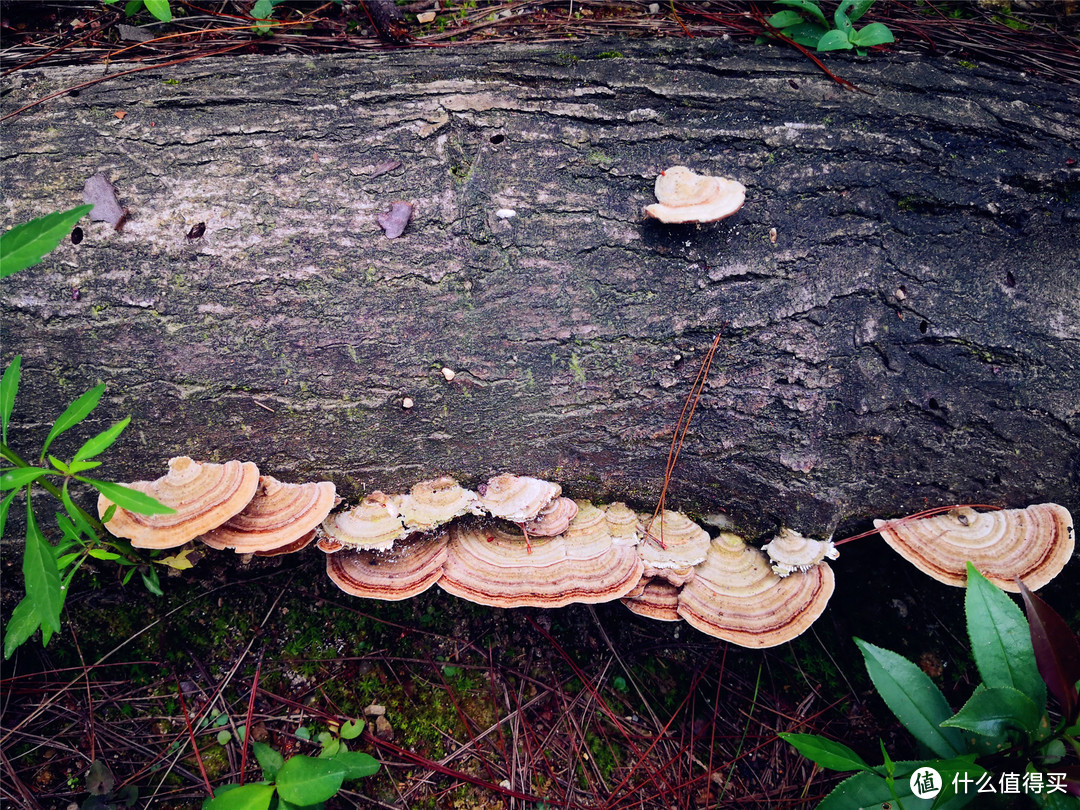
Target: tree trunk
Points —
{"points": [[910, 337]]}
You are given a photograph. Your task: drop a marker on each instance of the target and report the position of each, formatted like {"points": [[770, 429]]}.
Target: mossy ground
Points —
{"points": [[583, 705]]}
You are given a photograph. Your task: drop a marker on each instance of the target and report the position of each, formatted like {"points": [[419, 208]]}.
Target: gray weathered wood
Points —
{"points": [[911, 338]]}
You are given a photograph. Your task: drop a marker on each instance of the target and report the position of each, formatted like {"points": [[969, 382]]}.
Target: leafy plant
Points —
{"points": [[300, 781], [159, 8], [1004, 728], [101, 785], [48, 569], [806, 24]]}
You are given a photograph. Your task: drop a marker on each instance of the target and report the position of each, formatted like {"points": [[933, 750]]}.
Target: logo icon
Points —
{"points": [[926, 783]]}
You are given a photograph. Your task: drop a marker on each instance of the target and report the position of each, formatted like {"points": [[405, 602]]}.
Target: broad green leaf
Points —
{"points": [[834, 40], [20, 477], [101, 554], [77, 467], [825, 752], [307, 780], [81, 523], [22, 624], [357, 765], [330, 747], [130, 499], [9, 387], [224, 736], [1000, 638], [351, 729], [4, 506], [783, 19], [269, 760], [856, 8], [75, 413], [25, 245], [993, 712], [809, 7], [1057, 652], [241, 797], [913, 698], [872, 34], [102, 442], [840, 16], [160, 9], [871, 791], [41, 576]]}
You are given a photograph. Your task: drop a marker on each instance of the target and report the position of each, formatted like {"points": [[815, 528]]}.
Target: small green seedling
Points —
{"points": [[1002, 732], [300, 781], [805, 23]]}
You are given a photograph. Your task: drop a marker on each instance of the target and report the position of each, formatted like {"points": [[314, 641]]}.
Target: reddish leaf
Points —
{"points": [[1057, 652]]}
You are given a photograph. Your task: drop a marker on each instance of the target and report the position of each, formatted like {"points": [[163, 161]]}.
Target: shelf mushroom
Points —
{"points": [[1033, 544], [673, 544], [789, 552], [430, 504], [280, 518], [685, 196], [491, 566], [734, 595], [654, 598], [517, 498], [374, 523], [203, 495], [408, 569]]}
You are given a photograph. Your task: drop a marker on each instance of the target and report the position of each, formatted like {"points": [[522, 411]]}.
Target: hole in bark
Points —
{"points": [[1010, 279], [997, 478], [497, 139], [74, 93], [76, 235], [933, 403], [923, 326]]}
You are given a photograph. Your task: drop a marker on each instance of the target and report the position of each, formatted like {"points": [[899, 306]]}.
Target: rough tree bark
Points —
{"points": [[911, 337]]}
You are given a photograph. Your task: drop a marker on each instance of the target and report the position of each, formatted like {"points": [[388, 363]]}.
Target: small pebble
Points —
{"points": [[506, 213], [407, 403], [772, 235], [448, 373]]}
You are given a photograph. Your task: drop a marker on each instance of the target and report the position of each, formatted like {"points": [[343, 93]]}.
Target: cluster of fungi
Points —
{"points": [[516, 542]]}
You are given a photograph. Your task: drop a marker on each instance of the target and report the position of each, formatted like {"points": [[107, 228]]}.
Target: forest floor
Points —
{"points": [[588, 706]]}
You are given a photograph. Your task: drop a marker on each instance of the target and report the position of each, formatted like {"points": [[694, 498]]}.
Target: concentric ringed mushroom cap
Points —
{"points": [[278, 516], [655, 598], [1033, 544], [735, 595], [517, 498], [789, 552], [685, 196], [490, 566], [203, 495], [409, 568], [622, 523], [374, 523], [672, 545], [429, 504], [553, 519]]}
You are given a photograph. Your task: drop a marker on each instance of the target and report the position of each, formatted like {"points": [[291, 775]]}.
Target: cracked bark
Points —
{"points": [[910, 339]]}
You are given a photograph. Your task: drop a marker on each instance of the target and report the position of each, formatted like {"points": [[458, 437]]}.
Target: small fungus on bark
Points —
{"points": [[789, 552], [685, 196]]}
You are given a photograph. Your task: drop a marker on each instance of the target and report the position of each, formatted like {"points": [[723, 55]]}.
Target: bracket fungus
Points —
{"points": [[654, 598], [203, 495], [789, 552], [430, 504], [374, 523], [673, 544], [408, 569], [735, 596], [685, 196], [491, 566], [553, 519], [517, 498], [276, 519], [1033, 544], [622, 522]]}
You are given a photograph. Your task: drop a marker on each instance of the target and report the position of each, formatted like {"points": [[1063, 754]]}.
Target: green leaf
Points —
{"points": [[130, 499], [357, 765], [81, 523], [101, 554], [1057, 652], [9, 387], [25, 245], [4, 506], [834, 40], [160, 9], [224, 736], [241, 797], [41, 575], [856, 8], [102, 442], [58, 464], [22, 624], [993, 712], [840, 16], [20, 477], [269, 760], [351, 729], [871, 790], [75, 413], [307, 780], [150, 580], [1000, 638], [872, 34], [783, 19], [825, 752], [809, 7], [913, 698]]}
